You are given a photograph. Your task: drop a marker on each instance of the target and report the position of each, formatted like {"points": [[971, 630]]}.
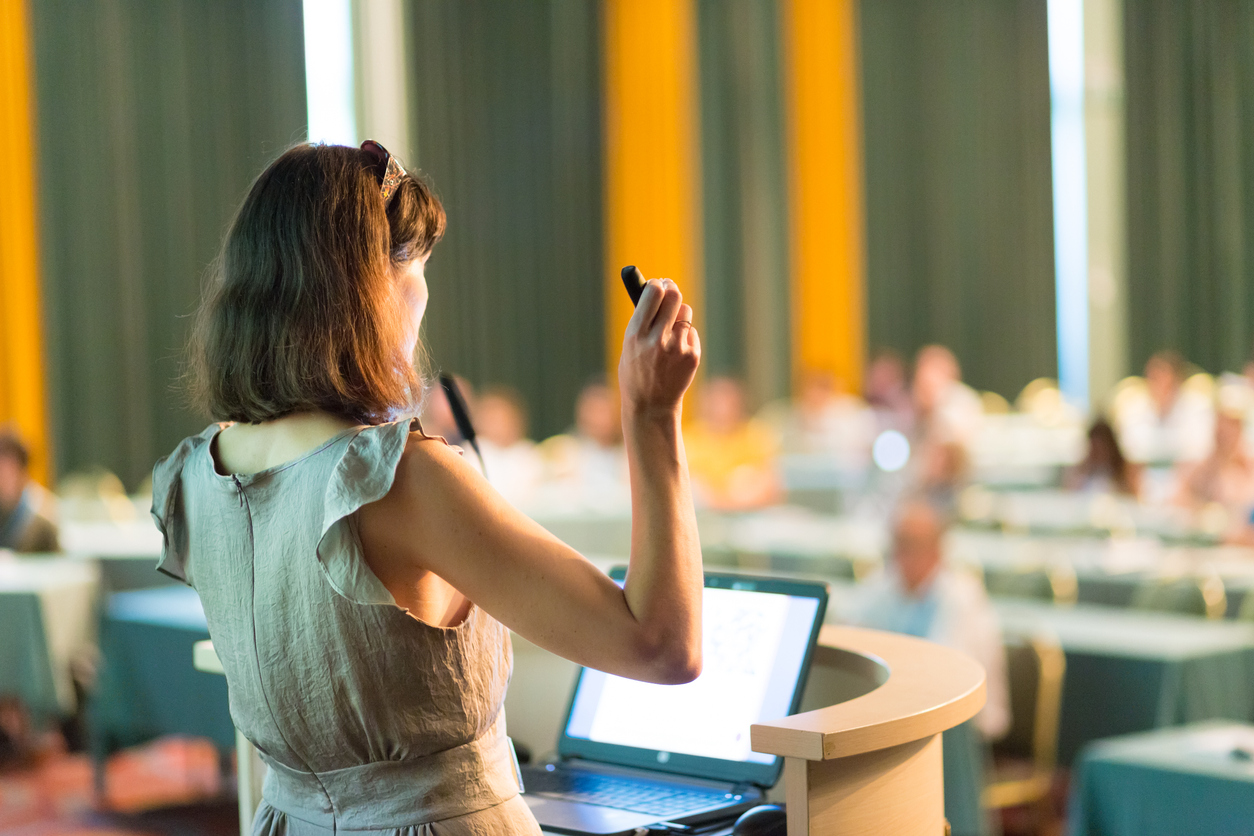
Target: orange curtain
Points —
{"points": [[22, 397], [825, 188], [652, 185]]}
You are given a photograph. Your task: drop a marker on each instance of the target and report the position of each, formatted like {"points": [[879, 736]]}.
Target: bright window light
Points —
{"points": [[1071, 223], [329, 71]]}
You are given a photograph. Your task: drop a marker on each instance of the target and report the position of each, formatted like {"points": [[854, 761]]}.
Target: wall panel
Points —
{"points": [[154, 117]]}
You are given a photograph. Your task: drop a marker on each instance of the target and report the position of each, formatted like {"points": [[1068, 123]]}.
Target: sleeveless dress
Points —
{"points": [[370, 720]]}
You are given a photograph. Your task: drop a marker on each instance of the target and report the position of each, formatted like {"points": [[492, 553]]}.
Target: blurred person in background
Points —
{"points": [[823, 420], [1225, 477], [732, 458], [27, 519], [437, 415], [884, 389], [512, 463], [1166, 424], [1104, 468], [918, 595], [589, 464], [946, 409], [943, 471]]}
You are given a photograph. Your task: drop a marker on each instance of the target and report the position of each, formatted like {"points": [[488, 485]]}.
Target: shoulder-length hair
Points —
{"points": [[303, 310]]}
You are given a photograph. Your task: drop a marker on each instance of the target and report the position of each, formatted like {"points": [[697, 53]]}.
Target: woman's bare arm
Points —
{"points": [[442, 516]]}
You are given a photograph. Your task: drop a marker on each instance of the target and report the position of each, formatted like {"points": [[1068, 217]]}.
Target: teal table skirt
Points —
{"points": [[966, 759], [1105, 696], [1130, 671], [147, 686], [1174, 781]]}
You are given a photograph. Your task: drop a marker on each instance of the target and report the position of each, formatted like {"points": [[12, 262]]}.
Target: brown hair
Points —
{"points": [[303, 310], [12, 446]]}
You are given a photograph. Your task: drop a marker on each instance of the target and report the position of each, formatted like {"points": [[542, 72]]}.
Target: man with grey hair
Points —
{"points": [[918, 595]]}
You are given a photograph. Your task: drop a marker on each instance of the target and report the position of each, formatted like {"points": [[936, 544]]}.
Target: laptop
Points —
{"points": [[636, 756]]}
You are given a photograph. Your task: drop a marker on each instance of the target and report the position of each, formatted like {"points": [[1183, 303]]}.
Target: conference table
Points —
{"points": [[147, 686], [1131, 671], [47, 619], [1190, 779]]}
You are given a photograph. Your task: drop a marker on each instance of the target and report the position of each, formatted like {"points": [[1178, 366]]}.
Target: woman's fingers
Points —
{"points": [[646, 308], [668, 309], [692, 340]]}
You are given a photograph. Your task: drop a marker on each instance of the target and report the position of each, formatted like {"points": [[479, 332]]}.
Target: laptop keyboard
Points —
{"points": [[661, 800]]}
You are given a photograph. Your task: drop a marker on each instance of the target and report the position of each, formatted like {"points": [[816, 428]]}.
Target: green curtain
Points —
{"points": [[956, 114], [744, 196], [508, 127], [1190, 146], [153, 117]]}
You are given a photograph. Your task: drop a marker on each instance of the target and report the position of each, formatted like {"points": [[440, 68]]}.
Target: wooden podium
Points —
{"points": [[871, 765]]}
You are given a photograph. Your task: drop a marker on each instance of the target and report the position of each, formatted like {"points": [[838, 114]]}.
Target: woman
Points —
{"points": [[359, 577], [1104, 468]]}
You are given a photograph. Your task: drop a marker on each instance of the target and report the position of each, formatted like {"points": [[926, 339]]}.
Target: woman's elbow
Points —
{"points": [[684, 668], [674, 663]]}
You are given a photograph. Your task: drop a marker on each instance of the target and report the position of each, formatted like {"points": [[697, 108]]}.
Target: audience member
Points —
{"points": [[731, 458], [917, 594], [1104, 468], [886, 393], [26, 517], [942, 473], [588, 466], [946, 409], [510, 459], [1165, 424], [824, 420], [1225, 477]]}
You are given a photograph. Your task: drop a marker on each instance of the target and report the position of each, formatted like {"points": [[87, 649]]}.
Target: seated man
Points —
{"points": [[946, 409], [26, 520], [1165, 423], [918, 595]]}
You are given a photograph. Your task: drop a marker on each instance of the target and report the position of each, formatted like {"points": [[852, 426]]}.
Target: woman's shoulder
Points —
{"points": [[170, 467]]}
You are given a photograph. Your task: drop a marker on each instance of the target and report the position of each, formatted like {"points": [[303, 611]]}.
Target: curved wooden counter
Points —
{"points": [[872, 764]]}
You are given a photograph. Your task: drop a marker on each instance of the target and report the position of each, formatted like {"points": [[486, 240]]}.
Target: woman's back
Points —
{"points": [[369, 718]]}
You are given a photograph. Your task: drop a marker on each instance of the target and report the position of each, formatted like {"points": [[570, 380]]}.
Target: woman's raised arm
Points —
{"points": [[442, 516]]}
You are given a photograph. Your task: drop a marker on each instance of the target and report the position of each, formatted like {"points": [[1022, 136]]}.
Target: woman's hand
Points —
{"points": [[661, 352]]}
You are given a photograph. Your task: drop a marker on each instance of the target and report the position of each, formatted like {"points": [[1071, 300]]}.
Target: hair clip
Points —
{"points": [[387, 169]]}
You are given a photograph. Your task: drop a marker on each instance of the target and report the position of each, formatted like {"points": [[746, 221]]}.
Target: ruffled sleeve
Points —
{"points": [[364, 473], [167, 512]]}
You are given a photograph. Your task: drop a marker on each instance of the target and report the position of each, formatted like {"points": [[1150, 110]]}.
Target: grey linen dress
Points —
{"points": [[371, 721]]}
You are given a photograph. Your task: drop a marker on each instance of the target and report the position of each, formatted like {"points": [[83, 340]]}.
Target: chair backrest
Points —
{"points": [[1189, 595], [1042, 583], [1246, 610], [1035, 666]]}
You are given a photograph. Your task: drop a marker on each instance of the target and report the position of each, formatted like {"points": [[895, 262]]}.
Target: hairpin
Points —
{"points": [[387, 169]]}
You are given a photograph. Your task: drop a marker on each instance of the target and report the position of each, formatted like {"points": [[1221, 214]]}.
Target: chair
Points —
{"points": [[994, 404], [1056, 584], [1246, 611], [94, 495], [1185, 595], [1024, 761]]}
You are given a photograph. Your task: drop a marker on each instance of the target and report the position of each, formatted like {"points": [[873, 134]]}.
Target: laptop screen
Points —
{"points": [[757, 636]]}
